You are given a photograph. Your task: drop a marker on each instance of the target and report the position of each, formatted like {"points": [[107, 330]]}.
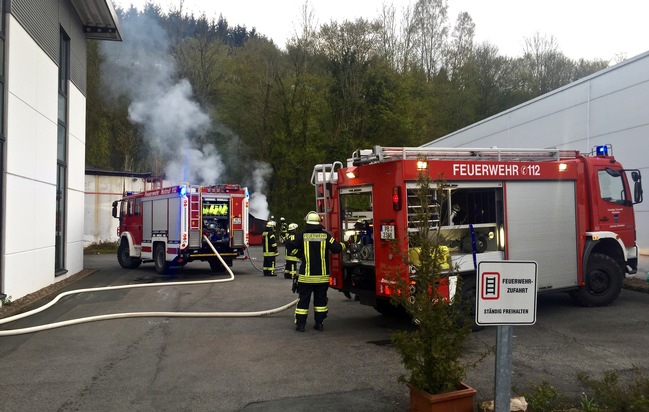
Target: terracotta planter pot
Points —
{"points": [[460, 400]]}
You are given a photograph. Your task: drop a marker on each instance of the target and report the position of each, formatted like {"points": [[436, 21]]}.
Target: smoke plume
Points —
{"points": [[258, 202], [172, 121]]}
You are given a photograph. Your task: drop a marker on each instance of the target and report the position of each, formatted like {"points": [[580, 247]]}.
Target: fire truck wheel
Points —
{"points": [[386, 308], [124, 258], [216, 266], [604, 279], [160, 259]]}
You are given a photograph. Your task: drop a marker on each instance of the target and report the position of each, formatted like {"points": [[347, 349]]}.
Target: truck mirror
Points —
{"points": [[115, 209], [635, 176], [637, 191]]}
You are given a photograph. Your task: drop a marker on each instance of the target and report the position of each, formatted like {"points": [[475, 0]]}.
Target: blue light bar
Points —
{"points": [[602, 150], [183, 190]]}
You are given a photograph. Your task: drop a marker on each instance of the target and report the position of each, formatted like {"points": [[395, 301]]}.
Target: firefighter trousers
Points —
{"points": [[290, 270], [269, 265], [320, 310]]}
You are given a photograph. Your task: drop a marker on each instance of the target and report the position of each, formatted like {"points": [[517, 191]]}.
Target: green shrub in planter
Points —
{"points": [[431, 351]]}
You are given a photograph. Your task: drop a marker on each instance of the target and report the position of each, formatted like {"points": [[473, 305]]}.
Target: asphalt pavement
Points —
{"points": [[261, 363]]}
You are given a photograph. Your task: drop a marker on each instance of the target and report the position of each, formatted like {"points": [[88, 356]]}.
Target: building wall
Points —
{"points": [[100, 193], [611, 106], [31, 150]]}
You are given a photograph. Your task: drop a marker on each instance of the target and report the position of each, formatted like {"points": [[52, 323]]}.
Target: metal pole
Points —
{"points": [[503, 367]]}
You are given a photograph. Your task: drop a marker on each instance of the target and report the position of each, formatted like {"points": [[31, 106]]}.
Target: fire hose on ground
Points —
{"points": [[279, 268], [97, 318]]}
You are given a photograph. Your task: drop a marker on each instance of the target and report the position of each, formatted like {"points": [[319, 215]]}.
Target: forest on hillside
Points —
{"points": [[197, 100]]}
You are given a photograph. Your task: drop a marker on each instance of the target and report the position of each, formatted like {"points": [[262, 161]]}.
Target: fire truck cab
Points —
{"points": [[571, 213], [176, 225]]}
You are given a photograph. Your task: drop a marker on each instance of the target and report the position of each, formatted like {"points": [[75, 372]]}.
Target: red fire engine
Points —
{"points": [[168, 226], [569, 212]]}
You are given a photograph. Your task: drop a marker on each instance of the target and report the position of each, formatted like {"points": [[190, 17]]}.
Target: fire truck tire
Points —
{"points": [[160, 259], [124, 258], [217, 266], [386, 308], [603, 282]]}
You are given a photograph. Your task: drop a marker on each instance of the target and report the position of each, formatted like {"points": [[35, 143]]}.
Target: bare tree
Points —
{"points": [[461, 45], [430, 18], [305, 36], [544, 67], [389, 35]]}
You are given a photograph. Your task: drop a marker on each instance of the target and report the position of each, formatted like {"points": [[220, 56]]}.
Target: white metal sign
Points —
{"points": [[506, 293]]}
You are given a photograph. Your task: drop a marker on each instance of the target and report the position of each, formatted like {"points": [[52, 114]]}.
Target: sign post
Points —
{"points": [[506, 297]]}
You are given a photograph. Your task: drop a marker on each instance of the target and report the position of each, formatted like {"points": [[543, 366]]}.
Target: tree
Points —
{"points": [[431, 28], [461, 47], [544, 67]]}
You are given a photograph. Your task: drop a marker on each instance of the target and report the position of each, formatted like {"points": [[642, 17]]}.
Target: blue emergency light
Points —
{"points": [[183, 190], [601, 150]]}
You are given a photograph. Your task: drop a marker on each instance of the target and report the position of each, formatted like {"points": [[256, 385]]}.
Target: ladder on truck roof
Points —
{"points": [[383, 154], [321, 178]]}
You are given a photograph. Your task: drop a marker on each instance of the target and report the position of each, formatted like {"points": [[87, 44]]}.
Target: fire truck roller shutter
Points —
{"points": [[542, 226]]}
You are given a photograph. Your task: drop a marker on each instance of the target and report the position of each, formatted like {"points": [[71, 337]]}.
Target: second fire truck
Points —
{"points": [[571, 213], [169, 226]]}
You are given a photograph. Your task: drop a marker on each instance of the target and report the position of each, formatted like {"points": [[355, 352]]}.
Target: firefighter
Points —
{"points": [[313, 247], [290, 270], [269, 243]]}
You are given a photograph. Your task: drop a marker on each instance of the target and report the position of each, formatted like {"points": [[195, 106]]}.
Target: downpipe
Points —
{"points": [[55, 325]]}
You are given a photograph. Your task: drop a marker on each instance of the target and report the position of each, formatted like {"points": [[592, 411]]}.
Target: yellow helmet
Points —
{"points": [[270, 223], [312, 218], [292, 226]]}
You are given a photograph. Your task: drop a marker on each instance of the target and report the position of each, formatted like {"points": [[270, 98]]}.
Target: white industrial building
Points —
{"points": [[102, 188], [43, 136], [608, 107]]}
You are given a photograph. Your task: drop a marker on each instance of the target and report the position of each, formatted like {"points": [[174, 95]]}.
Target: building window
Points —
{"points": [[62, 153]]}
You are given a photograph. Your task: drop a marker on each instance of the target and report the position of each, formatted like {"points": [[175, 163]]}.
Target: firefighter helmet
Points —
{"points": [[270, 223], [312, 218], [292, 226]]}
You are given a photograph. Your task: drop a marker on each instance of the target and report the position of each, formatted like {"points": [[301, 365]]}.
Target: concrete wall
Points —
{"points": [[611, 106]]}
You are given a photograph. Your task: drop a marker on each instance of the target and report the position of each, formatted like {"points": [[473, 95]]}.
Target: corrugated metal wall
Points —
{"points": [[611, 106], [42, 19]]}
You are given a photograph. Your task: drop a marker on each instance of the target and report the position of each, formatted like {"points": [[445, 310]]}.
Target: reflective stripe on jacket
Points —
{"points": [[313, 246], [269, 243]]}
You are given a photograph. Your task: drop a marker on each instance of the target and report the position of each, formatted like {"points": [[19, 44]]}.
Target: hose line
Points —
{"points": [[77, 321]]}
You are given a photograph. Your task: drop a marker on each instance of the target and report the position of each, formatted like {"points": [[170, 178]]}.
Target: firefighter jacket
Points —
{"points": [[313, 247], [289, 256], [269, 242]]}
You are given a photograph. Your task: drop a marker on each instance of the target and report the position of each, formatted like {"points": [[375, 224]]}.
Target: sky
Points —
{"points": [[582, 28]]}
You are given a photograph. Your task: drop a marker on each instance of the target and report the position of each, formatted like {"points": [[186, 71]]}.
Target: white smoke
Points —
{"points": [[173, 122], [258, 201]]}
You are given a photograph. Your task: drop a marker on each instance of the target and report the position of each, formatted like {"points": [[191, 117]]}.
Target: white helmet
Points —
{"points": [[292, 226], [270, 223], [312, 218]]}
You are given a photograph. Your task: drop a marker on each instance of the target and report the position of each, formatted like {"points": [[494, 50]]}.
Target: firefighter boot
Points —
{"points": [[299, 328], [319, 327]]}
